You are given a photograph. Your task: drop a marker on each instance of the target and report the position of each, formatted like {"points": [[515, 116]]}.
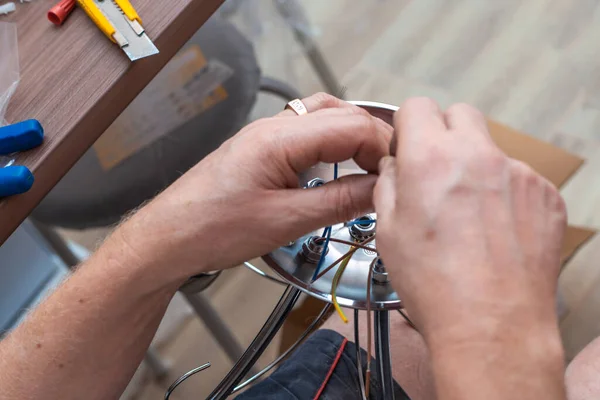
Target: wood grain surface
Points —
{"points": [[76, 82]]}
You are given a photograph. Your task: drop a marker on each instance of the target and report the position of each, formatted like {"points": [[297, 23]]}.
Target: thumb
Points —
{"points": [[384, 193], [337, 201]]}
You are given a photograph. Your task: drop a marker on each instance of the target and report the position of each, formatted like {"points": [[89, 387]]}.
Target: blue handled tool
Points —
{"points": [[13, 138]]}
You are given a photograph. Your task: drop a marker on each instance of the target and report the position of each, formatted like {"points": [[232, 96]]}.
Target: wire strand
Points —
{"points": [[349, 243], [359, 367], [182, 378], [369, 326], [258, 271], [412, 325], [361, 222], [327, 236], [326, 231], [334, 285], [339, 260], [291, 349]]}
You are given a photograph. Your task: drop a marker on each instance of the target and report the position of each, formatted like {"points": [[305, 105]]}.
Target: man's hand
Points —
{"points": [[243, 200], [472, 240], [88, 338]]}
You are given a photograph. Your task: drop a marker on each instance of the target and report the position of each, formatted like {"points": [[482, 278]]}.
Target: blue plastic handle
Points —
{"points": [[21, 136], [15, 180]]}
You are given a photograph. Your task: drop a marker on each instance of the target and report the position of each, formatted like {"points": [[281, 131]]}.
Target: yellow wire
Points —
{"points": [[336, 281]]}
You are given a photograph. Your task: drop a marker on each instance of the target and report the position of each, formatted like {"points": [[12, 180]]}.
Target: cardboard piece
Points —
{"points": [[555, 164], [186, 87], [575, 237]]}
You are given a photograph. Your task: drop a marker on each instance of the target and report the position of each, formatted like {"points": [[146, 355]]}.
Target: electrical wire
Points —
{"points": [[327, 232], [361, 378], [412, 325], [292, 348], [361, 222], [369, 327], [339, 260], [258, 271], [183, 377], [349, 243], [334, 284], [327, 236]]}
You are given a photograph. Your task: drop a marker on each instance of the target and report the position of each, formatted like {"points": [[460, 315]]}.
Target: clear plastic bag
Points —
{"points": [[9, 73]]}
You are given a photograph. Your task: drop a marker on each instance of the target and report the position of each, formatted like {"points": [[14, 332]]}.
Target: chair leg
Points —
{"points": [[294, 15], [58, 244], [157, 365]]}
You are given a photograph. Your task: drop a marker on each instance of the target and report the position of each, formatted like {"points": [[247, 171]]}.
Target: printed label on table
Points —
{"points": [[185, 88]]}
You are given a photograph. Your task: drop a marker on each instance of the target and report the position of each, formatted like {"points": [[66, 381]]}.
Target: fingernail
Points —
{"points": [[385, 162]]}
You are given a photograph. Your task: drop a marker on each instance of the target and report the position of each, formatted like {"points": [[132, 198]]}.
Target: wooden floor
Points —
{"points": [[529, 64]]}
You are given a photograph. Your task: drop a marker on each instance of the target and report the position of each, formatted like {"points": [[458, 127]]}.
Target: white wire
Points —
{"points": [[256, 270]]}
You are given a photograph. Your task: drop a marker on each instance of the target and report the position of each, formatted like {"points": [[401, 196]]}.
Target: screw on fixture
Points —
{"points": [[370, 253], [312, 249], [315, 182], [362, 231], [380, 275]]}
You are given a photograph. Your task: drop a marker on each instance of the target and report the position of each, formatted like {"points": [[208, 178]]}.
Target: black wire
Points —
{"points": [[412, 325]]}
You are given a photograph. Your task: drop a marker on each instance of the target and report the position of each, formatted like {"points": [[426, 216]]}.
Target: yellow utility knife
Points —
{"points": [[120, 22], [93, 11], [132, 16]]}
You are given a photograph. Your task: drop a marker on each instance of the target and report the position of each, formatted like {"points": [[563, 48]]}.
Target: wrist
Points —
{"points": [[516, 319], [143, 247], [536, 342], [506, 354]]}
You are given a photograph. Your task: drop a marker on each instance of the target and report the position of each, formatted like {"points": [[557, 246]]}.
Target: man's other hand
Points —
{"points": [[472, 237], [244, 199]]}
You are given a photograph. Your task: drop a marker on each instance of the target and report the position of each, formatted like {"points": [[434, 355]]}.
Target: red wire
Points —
{"points": [[331, 369]]}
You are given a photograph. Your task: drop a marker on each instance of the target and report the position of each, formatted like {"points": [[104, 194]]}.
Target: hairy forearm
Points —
{"points": [[526, 365], [86, 340]]}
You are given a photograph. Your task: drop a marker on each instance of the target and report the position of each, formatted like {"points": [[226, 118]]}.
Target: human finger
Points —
{"points": [[334, 138], [355, 110], [323, 102], [342, 200], [384, 193], [464, 118], [318, 101], [416, 119]]}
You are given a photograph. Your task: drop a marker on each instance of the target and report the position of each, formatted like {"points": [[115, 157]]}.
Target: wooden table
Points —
{"points": [[76, 82]]}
